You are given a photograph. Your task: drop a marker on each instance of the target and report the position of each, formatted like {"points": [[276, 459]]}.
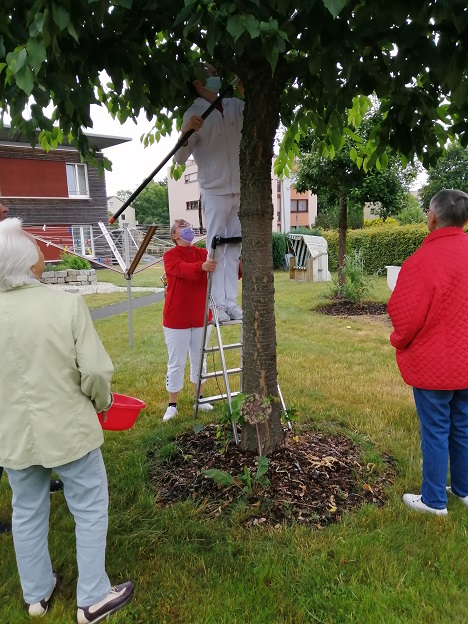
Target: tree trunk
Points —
{"points": [[256, 214], [342, 229]]}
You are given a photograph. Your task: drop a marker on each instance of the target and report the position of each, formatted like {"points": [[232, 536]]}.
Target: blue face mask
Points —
{"points": [[187, 234], [213, 83]]}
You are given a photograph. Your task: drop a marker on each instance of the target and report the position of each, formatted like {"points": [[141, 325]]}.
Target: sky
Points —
{"points": [[131, 161]]}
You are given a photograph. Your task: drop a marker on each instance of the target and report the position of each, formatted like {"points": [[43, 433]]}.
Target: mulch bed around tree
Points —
{"points": [[348, 308], [314, 478]]}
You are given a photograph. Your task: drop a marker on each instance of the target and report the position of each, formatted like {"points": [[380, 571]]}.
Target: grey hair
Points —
{"points": [[450, 208], [174, 226], [18, 253]]}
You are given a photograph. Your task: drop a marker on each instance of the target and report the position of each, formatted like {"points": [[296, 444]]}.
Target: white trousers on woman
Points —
{"points": [[181, 342], [222, 219], [85, 490]]}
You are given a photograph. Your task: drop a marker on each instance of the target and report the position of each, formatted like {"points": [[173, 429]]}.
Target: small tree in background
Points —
{"points": [[450, 172]]}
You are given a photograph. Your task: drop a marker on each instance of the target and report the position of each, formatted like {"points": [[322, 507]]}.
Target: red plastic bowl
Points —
{"points": [[123, 413]]}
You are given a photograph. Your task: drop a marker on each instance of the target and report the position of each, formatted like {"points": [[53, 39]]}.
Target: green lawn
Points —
{"points": [[378, 566]]}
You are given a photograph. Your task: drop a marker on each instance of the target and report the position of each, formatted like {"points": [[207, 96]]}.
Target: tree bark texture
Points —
{"points": [[342, 229], [256, 214]]}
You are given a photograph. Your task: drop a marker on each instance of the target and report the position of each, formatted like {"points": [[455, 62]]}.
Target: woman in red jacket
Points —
{"points": [[186, 270], [429, 313]]}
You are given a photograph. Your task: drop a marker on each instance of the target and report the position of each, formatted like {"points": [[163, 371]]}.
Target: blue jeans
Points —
{"points": [[85, 490], [443, 416]]}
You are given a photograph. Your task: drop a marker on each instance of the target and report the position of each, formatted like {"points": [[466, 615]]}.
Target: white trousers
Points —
{"points": [[181, 342], [222, 219]]}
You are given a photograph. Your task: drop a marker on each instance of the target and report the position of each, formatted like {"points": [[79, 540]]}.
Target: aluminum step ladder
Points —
{"points": [[220, 348]]}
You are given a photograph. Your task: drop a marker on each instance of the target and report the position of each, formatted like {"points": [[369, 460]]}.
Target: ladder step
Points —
{"points": [[234, 345], [223, 323], [217, 397], [220, 373]]}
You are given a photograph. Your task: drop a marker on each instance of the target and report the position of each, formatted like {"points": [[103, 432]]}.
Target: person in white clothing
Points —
{"points": [[215, 148]]}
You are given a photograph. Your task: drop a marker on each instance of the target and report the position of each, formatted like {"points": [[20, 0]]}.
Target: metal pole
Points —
{"points": [[128, 280]]}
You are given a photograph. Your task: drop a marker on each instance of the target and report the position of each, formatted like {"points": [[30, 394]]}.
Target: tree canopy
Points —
{"points": [[152, 204], [451, 171], [305, 63]]}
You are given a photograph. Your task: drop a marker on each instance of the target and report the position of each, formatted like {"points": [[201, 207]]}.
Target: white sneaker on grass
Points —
{"points": [[170, 413], [414, 502], [115, 600], [464, 499], [38, 609], [205, 407]]}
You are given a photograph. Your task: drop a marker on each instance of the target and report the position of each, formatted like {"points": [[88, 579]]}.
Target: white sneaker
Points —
{"points": [[223, 316], [38, 609], [235, 313], [414, 502], [205, 407], [115, 600], [464, 499], [170, 413]]}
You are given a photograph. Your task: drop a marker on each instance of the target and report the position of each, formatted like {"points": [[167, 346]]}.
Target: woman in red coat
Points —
{"points": [[186, 270], [429, 313]]}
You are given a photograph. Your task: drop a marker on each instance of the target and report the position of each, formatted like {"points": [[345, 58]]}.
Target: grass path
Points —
{"points": [[379, 566]]}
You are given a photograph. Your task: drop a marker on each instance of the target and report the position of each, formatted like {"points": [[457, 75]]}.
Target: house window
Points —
{"points": [[192, 205], [83, 242], [191, 177], [299, 205], [123, 217], [77, 180]]}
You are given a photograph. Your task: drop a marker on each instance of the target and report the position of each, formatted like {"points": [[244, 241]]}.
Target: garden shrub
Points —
{"points": [[357, 285], [379, 222], [379, 247], [280, 248], [68, 261]]}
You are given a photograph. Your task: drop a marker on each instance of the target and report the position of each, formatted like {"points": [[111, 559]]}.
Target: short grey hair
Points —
{"points": [[18, 253], [450, 208], [174, 226]]}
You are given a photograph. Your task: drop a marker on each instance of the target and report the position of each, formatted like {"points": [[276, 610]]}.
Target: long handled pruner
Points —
{"points": [[179, 143]]}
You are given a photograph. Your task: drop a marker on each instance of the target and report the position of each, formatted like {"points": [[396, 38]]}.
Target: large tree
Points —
{"points": [[301, 62], [451, 171]]}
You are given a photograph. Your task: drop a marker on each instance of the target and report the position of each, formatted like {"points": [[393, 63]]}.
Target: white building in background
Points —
{"points": [[128, 215], [184, 196]]}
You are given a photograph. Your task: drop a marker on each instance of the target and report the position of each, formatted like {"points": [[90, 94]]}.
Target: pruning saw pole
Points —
{"points": [[179, 143]]}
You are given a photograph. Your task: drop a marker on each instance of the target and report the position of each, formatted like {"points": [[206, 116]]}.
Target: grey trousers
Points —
{"points": [[85, 490]]}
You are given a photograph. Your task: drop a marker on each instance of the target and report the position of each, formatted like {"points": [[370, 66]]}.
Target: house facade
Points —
{"points": [[58, 197], [127, 217], [301, 208]]}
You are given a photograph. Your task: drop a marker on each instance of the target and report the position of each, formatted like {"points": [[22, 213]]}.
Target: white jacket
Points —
{"points": [[54, 376], [215, 147]]}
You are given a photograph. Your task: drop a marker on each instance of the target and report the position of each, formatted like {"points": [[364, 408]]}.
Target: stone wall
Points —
{"points": [[73, 277]]}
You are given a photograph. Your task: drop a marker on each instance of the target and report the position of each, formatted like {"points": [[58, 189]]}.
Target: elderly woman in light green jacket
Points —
{"points": [[55, 376]]}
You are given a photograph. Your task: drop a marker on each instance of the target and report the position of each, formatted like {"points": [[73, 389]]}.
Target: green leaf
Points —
{"points": [[126, 4], [252, 25], [36, 54], [335, 6], [235, 26], [16, 60], [198, 427], [39, 21], [262, 463], [219, 476], [72, 31], [61, 16]]}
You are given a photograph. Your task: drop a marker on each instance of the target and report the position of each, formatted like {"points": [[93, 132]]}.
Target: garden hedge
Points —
{"points": [[379, 247]]}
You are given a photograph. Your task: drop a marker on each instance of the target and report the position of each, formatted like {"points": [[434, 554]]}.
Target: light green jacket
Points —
{"points": [[54, 376]]}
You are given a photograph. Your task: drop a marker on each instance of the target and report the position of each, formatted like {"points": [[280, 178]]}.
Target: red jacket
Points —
{"points": [[187, 283], [429, 313]]}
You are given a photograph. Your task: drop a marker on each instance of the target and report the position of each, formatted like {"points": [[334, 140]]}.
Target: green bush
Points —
{"points": [[280, 248], [379, 246], [411, 214], [357, 285], [68, 261], [379, 222]]}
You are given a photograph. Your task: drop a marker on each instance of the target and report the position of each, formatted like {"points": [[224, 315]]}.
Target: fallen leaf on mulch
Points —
{"points": [[314, 478]]}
